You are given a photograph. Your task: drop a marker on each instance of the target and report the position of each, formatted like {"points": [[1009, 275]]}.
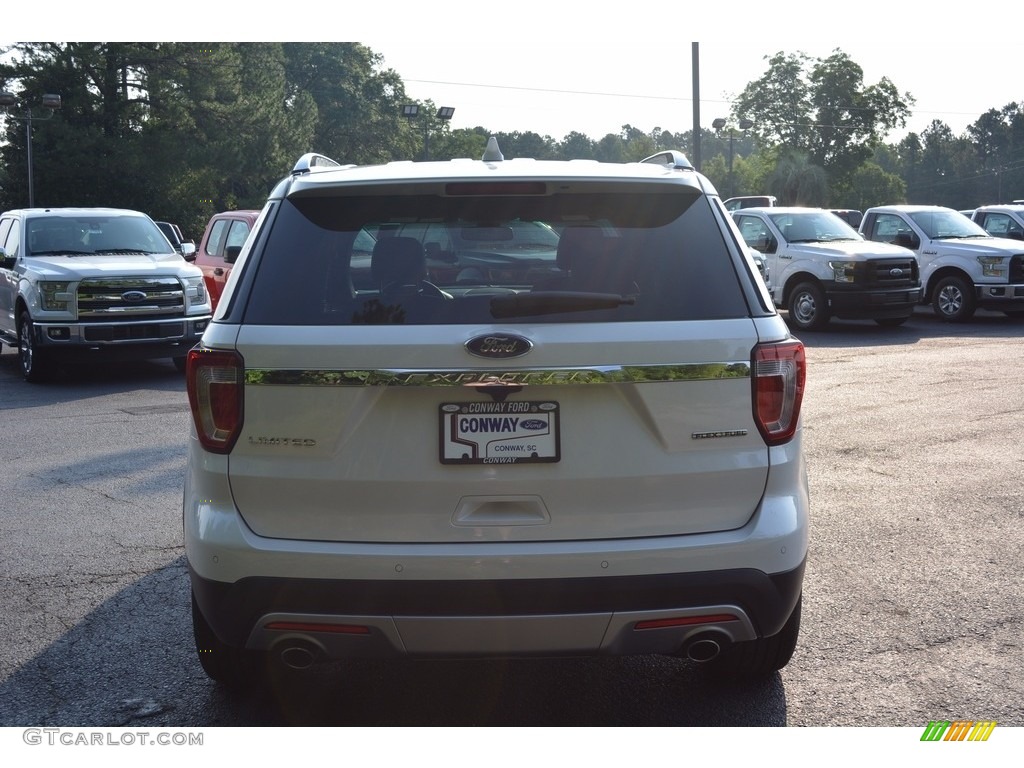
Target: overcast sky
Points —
{"points": [[555, 66]]}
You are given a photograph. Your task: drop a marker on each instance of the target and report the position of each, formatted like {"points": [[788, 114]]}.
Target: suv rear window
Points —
{"points": [[465, 256]]}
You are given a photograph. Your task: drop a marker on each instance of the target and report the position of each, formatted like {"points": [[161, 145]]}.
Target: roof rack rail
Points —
{"points": [[670, 157], [312, 161]]}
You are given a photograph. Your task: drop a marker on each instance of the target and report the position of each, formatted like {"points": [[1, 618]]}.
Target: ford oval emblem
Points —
{"points": [[133, 296], [498, 346], [896, 272], [533, 424]]}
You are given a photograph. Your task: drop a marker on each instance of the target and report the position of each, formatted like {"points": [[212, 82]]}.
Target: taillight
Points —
{"points": [[779, 373], [215, 391]]}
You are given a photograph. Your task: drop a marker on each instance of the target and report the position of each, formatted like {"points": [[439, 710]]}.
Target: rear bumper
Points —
{"points": [[592, 616], [470, 598]]}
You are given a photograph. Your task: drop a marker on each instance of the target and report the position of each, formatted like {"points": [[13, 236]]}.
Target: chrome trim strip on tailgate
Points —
{"points": [[395, 377]]}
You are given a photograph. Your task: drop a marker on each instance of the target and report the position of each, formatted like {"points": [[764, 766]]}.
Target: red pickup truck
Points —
{"points": [[224, 237]]}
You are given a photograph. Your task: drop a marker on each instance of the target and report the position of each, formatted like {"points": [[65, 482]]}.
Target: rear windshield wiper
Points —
{"points": [[553, 302]]}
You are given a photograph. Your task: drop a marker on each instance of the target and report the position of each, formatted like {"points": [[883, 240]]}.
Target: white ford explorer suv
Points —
{"points": [[591, 449]]}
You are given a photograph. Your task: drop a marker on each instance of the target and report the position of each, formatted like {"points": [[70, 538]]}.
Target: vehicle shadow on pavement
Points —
{"points": [[79, 382], [131, 662], [840, 333], [922, 326]]}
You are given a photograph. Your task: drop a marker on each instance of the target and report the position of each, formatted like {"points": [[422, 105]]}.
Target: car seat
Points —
{"points": [[594, 263], [398, 266]]}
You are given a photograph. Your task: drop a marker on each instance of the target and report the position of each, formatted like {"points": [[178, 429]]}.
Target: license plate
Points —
{"points": [[499, 433]]}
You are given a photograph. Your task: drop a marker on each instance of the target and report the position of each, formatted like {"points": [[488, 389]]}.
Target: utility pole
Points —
{"points": [[695, 57]]}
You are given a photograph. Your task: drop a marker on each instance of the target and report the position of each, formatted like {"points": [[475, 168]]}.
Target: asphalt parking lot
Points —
{"points": [[912, 593]]}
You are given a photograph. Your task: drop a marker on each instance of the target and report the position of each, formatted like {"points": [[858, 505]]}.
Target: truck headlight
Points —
{"points": [[992, 266], [54, 296], [195, 289], [843, 271]]}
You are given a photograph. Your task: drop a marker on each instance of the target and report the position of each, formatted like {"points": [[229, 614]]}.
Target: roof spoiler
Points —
{"points": [[673, 158], [311, 161]]}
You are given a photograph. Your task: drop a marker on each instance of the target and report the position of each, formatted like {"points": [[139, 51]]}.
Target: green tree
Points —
{"points": [[575, 146], [717, 171], [998, 140], [610, 149], [253, 126], [181, 130], [358, 105], [463, 142], [668, 140], [871, 186], [797, 181], [638, 144], [90, 146], [747, 173], [822, 110], [935, 179], [526, 144]]}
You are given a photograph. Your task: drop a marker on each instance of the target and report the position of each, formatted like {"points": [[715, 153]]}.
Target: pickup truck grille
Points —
{"points": [[889, 273], [130, 298], [1017, 268]]}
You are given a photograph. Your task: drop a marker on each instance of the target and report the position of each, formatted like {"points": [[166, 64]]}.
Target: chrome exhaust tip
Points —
{"points": [[705, 646], [299, 654]]}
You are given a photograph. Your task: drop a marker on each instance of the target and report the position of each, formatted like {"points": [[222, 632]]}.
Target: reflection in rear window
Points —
{"points": [[434, 259]]}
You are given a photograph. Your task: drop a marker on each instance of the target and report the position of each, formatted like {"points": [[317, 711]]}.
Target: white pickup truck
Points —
{"points": [[1001, 220], [963, 267], [819, 267], [91, 284]]}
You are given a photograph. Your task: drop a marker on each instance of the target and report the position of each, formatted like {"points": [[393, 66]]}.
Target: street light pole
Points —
{"points": [[718, 124], [51, 102], [732, 185], [411, 112]]}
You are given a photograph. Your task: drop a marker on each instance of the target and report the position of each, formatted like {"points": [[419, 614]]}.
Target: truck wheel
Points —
{"points": [[807, 308], [759, 658], [953, 299], [35, 365]]}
